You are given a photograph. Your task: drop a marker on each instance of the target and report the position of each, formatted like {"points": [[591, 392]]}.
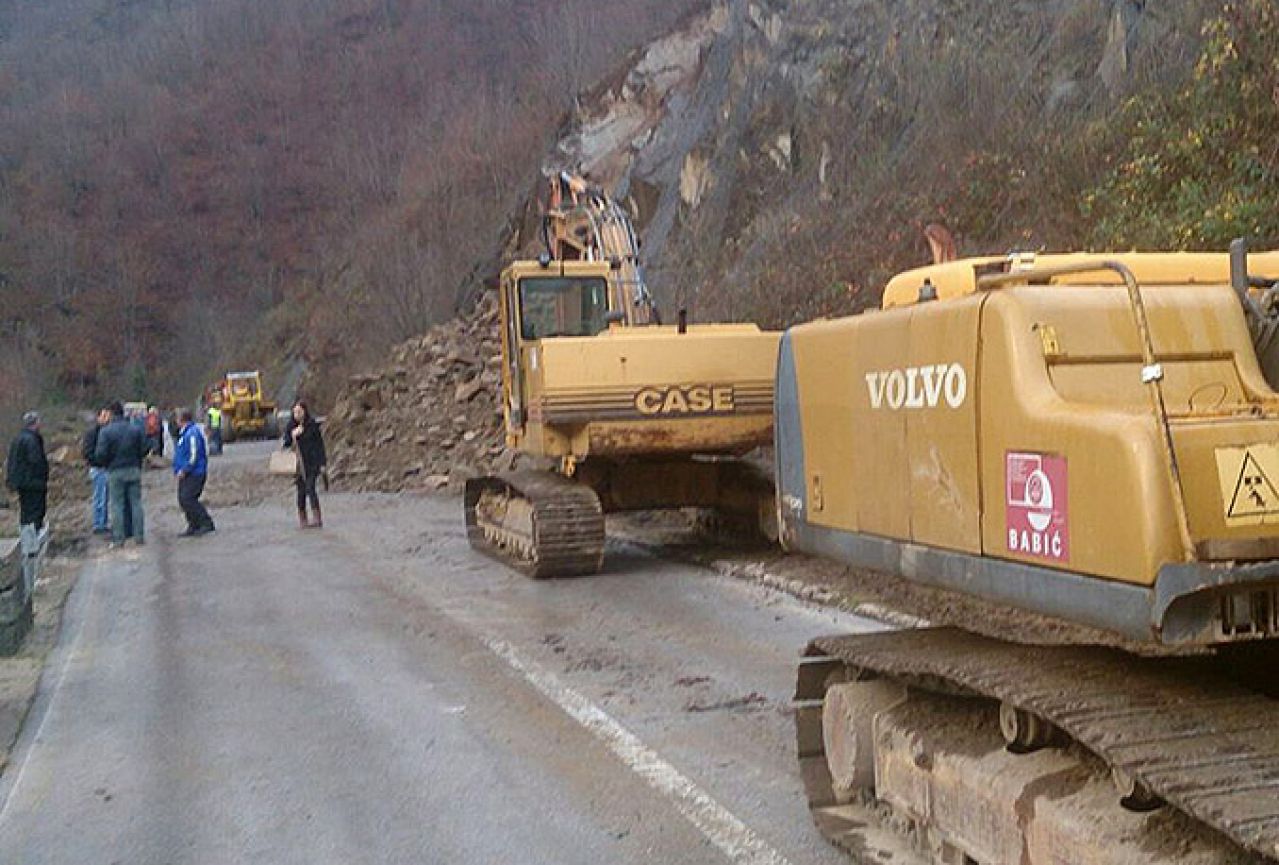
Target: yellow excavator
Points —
{"points": [[635, 414], [1090, 445]]}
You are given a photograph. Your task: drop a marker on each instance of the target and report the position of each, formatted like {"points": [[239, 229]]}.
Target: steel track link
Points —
{"points": [[1198, 740], [566, 524]]}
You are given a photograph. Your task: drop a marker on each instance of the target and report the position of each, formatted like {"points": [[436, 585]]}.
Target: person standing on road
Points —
{"points": [[191, 466], [121, 450], [97, 473], [27, 472], [153, 425], [169, 431], [215, 430], [304, 437]]}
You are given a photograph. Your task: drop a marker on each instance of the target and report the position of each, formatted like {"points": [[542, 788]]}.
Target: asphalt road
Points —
{"points": [[376, 692]]}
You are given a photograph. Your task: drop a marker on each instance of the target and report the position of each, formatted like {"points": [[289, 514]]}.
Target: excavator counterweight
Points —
{"points": [[1086, 438]]}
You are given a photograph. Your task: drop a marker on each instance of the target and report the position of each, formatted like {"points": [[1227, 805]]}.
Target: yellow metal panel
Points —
{"points": [[889, 423], [657, 355], [1062, 466], [957, 278], [855, 455], [1191, 387], [1220, 460], [651, 390], [1117, 513], [941, 425], [724, 434], [951, 280], [880, 480], [827, 384]]}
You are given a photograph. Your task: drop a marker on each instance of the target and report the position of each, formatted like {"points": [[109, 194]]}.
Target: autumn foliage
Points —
{"points": [[192, 184], [1199, 164]]}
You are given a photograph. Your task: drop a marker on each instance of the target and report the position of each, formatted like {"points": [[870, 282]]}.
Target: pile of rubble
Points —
{"points": [[431, 418]]}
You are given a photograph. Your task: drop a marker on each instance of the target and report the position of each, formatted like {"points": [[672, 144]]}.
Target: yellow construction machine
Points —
{"points": [[246, 410], [636, 415], [1090, 438]]}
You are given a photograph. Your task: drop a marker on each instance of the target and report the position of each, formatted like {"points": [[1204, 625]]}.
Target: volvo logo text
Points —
{"points": [[917, 387]]}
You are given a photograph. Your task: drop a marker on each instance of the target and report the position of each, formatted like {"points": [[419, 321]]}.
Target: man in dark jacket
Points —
{"points": [[97, 473], [27, 472], [121, 450]]}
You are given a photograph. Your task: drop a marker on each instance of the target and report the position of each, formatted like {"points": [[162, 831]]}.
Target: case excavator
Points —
{"points": [[1091, 444], [633, 414]]}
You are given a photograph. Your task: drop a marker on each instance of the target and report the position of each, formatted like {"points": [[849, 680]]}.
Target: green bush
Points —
{"points": [[1200, 165]]}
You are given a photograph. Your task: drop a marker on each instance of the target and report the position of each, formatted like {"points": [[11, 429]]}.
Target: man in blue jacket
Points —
{"points": [[191, 465]]}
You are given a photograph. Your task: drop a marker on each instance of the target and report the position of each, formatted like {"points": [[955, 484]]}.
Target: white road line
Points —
{"points": [[73, 649], [733, 837]]}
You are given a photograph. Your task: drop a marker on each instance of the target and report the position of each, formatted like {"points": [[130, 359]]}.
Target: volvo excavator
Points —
{"points": [[633, 413], [1090, 444], [1086, 443]]}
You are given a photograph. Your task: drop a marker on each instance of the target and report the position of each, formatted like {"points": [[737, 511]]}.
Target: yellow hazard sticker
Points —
{"points": [[1249, 484]]}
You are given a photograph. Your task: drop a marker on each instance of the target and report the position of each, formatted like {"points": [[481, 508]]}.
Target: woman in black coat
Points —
{"points": [[304, 437]]}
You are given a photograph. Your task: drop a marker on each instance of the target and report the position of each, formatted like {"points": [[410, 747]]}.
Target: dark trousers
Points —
{"points": [[306, 480], [190, 488], [32, 505]]}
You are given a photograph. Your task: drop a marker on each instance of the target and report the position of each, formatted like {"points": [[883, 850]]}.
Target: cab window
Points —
{"points": [[562, 306]]}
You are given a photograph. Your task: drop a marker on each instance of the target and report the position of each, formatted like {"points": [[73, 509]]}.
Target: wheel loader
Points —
{"points": [[246, 410], [1089, 444], [634, 414]]}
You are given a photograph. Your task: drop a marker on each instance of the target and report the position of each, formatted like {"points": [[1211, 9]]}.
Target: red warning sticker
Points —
{"points": [[1036, 513]]}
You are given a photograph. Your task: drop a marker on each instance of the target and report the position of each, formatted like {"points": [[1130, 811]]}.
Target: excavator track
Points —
{"points": [[1183, 729], [539, 523]]}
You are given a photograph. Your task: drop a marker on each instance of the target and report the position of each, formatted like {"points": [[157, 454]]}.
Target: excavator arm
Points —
{"points": [[583, 223]]}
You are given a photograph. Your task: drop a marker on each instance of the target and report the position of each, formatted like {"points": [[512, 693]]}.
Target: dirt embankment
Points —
{"points": [[430, 418]]}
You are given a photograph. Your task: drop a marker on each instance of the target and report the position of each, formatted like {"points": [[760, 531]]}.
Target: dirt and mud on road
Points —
{"points": [[238, 482], [896, 602], [377, 691]]}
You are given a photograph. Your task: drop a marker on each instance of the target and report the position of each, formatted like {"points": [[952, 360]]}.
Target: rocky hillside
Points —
{"points": [[781, 159]]}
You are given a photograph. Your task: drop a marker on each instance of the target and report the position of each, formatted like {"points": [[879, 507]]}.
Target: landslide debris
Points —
{"points": [[431, 417]]}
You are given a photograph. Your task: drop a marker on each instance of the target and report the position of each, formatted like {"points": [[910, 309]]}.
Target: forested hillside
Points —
{"points": [[189, 183], [192, 184]]}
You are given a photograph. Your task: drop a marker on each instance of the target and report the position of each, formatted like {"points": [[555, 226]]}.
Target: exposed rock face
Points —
{"points": [[731, 135], [1121, 40]]}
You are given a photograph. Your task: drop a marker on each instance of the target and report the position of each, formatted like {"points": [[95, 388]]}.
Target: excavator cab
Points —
{"points": [[562, 305], [543, 301]]}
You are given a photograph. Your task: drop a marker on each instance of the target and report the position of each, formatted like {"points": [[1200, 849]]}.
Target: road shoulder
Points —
{"points": [[20, 674]]}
